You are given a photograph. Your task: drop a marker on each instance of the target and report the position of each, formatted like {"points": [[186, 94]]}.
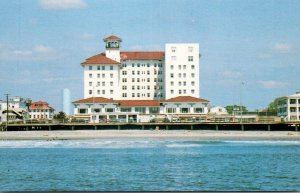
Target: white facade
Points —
{"points": [[101, 80], [289, 107], [182, 70], [218, 111], [142, 75]]}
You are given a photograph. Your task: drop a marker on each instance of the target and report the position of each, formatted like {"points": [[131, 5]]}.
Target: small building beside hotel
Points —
{"points": [[288, 107], [41, 110]]}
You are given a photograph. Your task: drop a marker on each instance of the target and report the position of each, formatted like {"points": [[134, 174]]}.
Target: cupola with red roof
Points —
{"points": [[112, 47]]}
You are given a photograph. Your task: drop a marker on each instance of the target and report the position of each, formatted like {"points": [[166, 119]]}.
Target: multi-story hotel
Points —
{"points": [[141, 83]]}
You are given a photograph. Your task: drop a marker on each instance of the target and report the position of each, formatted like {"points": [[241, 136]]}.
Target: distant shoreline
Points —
{"points": [[101, 134]]}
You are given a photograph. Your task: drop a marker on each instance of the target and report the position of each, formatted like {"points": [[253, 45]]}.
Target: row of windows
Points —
{"points": [[142, 65], [39, 110], [182, 67], [185, 110], [101, 75], [190, 49], [102, 84], [294, 109], [156, 87], [143, 80], [155, 72], [102, 67], [133, 95], [182, 83], [189, 59], [102, 92], [38, 116], [184, 91], [183, 75], [294, 101]]}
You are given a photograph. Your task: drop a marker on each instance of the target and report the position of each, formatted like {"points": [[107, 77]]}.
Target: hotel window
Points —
{"points": [[193, 91], [148, 72], [148, 87], [103, 75], [109, 110], [98, 67], [103, 67], [132, 64], [133, 80], [124, 72], [91, 75], [138, 65], [138, 79], [132, 95], [172, 67], [184, 67], [138, 87], [98, 75], [184, 110], [140, 109], [111, 75], [190, 58], [171, 110], [155, 79], [173, 58], [179, 92], [154, 110], [133, 87], [172, 75], [138, 72], [132, 72], [184, 91], [148, 79], [155, 72], [179, 67], [179, 75], [111, 67], [111, 92], [103, 91], [82, 111], [172, 91], [90, 92], [292, 101], [179, 83], [124, 79], [193, 67], [155, 65], [292, 109], [148, 94], [125, 109], [98, 91], [172, 83], [124, 94], [111, 83], [173, 49], [148, 65], [90, 83], [193, 75], [184, 83], [90, 67], [184, 75], [103, 83], [190, 49], [124, 87], [193, 83]]}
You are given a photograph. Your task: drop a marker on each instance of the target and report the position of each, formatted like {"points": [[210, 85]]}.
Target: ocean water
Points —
{"points": [[150, 165]]}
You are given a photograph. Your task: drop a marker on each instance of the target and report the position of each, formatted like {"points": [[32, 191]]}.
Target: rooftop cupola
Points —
{"points": [[112, 47]]}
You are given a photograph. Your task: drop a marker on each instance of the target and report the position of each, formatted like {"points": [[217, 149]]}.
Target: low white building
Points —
{"points": [[288, 107], [41, 111], [17, 109], [217, 110], [99, 109]]}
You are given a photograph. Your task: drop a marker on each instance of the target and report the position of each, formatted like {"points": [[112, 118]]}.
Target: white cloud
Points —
{"points": [[63, 4], [282, 48], [22, 53], [87, 36], [231, 74], [43, 49], [271, 84]]}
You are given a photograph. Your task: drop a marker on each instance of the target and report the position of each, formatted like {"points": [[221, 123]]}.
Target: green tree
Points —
{"points": [[61, 116], [272, 107], [235, 108]]}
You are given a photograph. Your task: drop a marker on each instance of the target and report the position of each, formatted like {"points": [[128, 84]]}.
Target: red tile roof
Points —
{"points": [[95, 100], [112, 37], [142, 55], [40, 105], [138, 103], [99, 59], [186, 99]]}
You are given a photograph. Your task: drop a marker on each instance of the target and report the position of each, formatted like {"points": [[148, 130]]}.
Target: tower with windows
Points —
{"points": [[112, 47]]}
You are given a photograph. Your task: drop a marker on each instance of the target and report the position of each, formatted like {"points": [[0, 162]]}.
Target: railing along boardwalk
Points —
{"points": [[256, 126]]}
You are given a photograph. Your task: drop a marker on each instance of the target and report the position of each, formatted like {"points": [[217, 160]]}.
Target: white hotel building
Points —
{"points": [[159, 79]]}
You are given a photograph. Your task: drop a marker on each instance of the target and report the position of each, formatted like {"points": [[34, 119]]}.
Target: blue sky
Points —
{"points": [[43, 42]]}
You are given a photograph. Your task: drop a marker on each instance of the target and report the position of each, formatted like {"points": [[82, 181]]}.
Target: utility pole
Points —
{"points": [[241, 108], [6, 110]]}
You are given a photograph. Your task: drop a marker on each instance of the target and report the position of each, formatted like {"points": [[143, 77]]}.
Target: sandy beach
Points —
{"points": [[95, 134]]}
